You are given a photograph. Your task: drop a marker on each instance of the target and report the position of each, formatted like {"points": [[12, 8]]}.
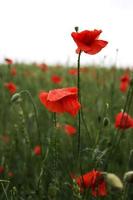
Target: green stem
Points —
{"points": [[35, 112], [42, 170], [79, 99], [85, 124], [5, 190], [54, 119], [124, 197]]}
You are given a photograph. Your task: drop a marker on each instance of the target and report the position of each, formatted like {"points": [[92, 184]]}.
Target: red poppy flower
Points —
{"points": [[13, 71], [56, 79], [124, 86], [88, 41], [1, 169], [8, 61], [125, 81], [37, 150], [125, 78], [93, 180], [11, 87], [43, 67], [69, 129], [72, 71], [61, 100], [10, 174], [5, 138], [123, 121]]}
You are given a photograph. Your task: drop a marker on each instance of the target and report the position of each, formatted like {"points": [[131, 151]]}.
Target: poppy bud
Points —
{"points": [[106, 121], [113, 180], [128, 177], [20, 113], [15, 97], [76, 28], [99, 118]]}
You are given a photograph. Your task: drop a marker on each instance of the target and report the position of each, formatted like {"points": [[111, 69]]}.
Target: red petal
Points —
{"points": [[95, 47], [124, 86], [71, 105], [51, 106], [69, 129], [86, 37], [88, 42], [123, 121], [43, 97], [102, 189], [57, 94]]}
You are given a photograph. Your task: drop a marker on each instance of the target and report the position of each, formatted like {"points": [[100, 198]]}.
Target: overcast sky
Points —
{"points": [[40, 30]]}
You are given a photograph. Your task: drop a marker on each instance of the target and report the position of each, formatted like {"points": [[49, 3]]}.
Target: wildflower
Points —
{"points": [[94, 180], [37, 150], [13, 71], [72, 71], [88, 41], [11, 87], [1, 169], [124, 84], [8, 61], [123, 121], [61, 100], [10, 174], [56, 79], [69, 129], [43, 67]]}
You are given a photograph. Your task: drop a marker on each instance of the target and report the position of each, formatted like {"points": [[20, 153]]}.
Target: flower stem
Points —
{"points": [[54, 119], [35, 112], [79, 99]]}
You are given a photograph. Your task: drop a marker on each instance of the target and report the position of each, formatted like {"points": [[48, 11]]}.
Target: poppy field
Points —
{"points": [[66, 131]]}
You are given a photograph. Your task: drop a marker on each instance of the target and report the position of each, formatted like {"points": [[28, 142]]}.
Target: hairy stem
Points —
{"points": [[79, 99]]}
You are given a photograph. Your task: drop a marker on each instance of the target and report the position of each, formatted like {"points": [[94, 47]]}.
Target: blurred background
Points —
{"points": [[40, 30]]}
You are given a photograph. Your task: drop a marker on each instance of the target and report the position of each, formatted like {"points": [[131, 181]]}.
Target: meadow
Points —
{"points": [[42, 155]]}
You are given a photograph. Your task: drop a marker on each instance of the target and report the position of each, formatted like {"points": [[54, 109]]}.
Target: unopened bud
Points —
{"points": [[107, 105], [128, 177], [15, 97], [106, 121], [76, 28], [20, 112], [99, 118]]}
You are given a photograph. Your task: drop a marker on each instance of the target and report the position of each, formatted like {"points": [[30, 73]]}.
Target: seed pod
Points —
{"points": [[128, 177]]}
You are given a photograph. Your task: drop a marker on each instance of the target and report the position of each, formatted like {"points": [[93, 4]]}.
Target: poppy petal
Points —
{"points": [[57, 94], [71, 105]]}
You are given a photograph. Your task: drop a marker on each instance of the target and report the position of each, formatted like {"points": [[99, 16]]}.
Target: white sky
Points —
{"points": [[40, 30]]}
